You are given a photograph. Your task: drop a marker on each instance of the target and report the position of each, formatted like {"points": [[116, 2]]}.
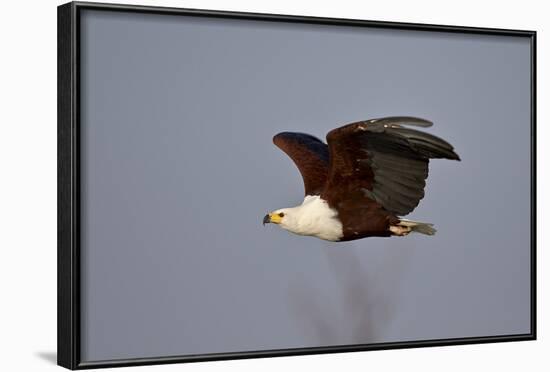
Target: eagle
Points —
{"points": [[363, 180]]}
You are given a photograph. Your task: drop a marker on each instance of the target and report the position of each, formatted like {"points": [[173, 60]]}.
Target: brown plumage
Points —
{"points": [[370, 172], [311, 157]]}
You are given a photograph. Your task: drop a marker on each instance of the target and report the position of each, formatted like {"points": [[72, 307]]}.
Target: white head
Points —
{"points": [[287, 218], [313, 217]]}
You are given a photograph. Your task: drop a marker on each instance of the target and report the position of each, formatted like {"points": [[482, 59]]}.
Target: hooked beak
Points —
{"points": [[275, 218]]}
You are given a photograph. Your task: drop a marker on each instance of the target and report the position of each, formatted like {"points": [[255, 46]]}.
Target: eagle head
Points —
{"points": [[276, 217]]}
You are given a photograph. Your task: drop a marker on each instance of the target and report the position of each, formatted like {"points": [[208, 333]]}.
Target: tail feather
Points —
{"points": [[418, 227]]}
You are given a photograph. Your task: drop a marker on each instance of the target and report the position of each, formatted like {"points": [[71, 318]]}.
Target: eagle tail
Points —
{"points": [[418, 227]]}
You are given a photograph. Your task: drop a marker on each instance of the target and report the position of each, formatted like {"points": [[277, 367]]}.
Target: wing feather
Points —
{"points": [[310, 155], [384, 159]]}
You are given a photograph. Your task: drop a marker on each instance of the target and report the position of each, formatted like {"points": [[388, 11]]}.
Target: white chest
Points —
{"points": [[314, 217]]}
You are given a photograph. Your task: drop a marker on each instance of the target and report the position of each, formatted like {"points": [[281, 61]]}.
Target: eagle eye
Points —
{"points": [[281, 214]]}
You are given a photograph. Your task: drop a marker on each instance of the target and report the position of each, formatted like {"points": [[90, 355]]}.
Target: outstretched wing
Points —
{"points": [[310, 155], [383, 161]]}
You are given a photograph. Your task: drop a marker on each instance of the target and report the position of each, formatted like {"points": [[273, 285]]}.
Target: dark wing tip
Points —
{"points": [[449, 155], [294, 136], [279, 137], [403, 120], [426, 144]]}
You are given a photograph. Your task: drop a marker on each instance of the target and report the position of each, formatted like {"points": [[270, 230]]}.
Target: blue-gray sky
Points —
{"points": [[178, 170]]}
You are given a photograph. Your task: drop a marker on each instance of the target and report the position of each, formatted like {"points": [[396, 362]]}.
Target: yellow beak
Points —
{"points": [[272, 218]]}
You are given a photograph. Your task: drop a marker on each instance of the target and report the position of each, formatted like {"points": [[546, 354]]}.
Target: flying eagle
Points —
{"points": [[360, 182]]}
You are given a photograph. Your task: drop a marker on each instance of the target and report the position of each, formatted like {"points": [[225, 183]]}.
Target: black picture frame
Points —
{"points": [[69, 206]]}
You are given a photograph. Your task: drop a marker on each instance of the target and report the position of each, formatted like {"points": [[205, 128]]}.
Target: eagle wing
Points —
{"points": [[310, 155], [380, 160]]}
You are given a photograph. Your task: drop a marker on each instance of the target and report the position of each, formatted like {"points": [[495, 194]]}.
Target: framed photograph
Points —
{"points": [[236, 185]]}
